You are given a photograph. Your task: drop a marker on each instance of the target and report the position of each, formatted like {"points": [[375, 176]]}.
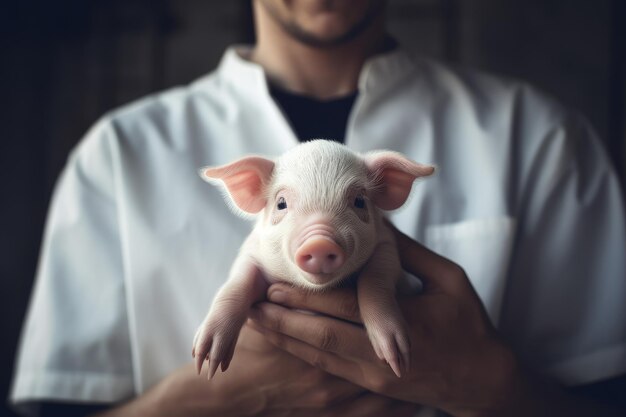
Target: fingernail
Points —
{"points": [[278, 296]]}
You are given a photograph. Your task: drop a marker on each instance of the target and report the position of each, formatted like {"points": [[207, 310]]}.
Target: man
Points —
{"points": [[525, 202]]}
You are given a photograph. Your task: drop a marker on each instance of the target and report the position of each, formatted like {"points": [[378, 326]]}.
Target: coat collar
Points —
{"points": [[377, 74]]}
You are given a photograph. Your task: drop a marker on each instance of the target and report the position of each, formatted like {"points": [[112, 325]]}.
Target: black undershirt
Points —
{"points": [[311, 118]]}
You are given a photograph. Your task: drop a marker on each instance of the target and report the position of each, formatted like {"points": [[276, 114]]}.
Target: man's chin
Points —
{"points": [[330, 30], [321, 39]]}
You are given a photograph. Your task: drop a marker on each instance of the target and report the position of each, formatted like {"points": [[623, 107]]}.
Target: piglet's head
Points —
{"points": [[317, 207]]}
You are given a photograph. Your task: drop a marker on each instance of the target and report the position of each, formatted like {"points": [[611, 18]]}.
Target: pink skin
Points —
{"points": [[318, 254], [315, 240]]}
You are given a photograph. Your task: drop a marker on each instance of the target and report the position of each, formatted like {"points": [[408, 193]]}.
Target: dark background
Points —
{"points": [[66, 62]]}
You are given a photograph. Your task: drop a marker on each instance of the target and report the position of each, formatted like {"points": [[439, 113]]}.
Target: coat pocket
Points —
{"points": [[483, 248]]}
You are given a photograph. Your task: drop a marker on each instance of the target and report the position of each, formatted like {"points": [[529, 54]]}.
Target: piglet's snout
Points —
{"points": [[319, 254]]}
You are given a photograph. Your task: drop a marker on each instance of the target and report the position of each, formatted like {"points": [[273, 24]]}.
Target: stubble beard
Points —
{"points": [[308, 38]]}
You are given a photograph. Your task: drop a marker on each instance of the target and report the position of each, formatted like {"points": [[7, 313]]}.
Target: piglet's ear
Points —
{"points": [[394, 175], [245, 181]]}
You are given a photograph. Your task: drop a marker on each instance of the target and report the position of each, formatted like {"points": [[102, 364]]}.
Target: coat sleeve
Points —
{"points": [[75, 340], [565, 302]]}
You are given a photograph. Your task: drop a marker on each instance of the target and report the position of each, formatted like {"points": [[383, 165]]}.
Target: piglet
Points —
{"points": [[317, 224]]}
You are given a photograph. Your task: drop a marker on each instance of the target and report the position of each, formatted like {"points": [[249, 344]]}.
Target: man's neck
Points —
{"points": [[320, 72]]}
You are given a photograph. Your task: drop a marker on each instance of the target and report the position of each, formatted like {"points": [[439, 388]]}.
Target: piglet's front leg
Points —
{"points": [[383, 320], [216, 337]]}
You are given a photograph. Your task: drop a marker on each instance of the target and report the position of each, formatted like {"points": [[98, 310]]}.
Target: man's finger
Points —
{"points": [[323, 360], [339, 302], [323, 333]]}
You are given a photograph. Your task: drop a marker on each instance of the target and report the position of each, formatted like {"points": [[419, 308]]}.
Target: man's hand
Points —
{"points": [[261, 381], [455, 356], [458, 363]]}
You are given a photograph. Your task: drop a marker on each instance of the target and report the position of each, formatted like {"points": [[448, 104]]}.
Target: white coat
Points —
{"points": [[136, 244]]}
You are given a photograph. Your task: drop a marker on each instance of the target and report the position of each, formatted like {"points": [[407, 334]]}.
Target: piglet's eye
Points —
{"points": [[359, 202], [282, 204]]}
